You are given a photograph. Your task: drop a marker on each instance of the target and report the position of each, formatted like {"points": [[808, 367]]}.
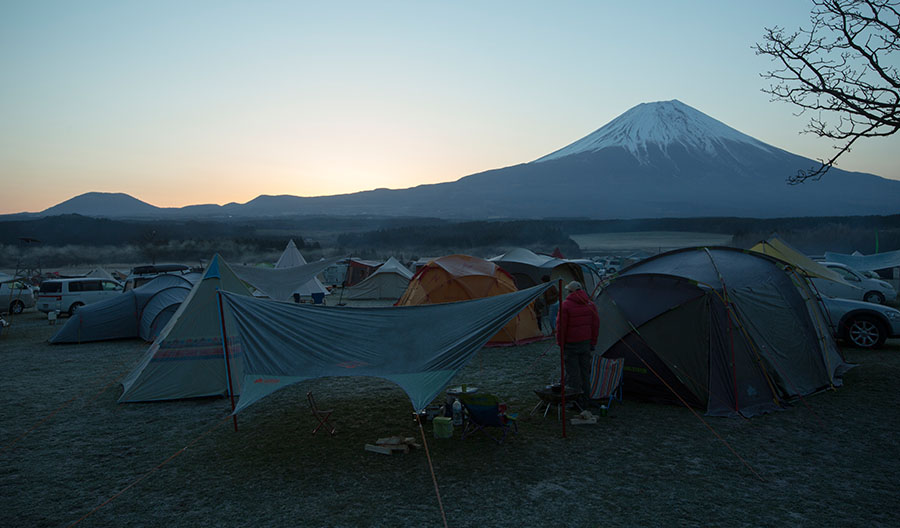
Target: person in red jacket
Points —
{"points": [[577, 328]]}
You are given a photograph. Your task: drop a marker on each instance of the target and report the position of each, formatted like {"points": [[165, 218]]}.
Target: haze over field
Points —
{"points": [[189, 103]]}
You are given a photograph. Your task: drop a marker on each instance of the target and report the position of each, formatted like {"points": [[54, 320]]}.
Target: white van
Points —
{"points": [[67, 295]]}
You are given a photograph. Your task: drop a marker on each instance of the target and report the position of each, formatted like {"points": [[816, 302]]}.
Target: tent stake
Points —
{"points": [[226, 352]]}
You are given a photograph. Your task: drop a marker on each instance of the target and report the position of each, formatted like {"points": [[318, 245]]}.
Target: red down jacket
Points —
{"points": [[577, 319]]}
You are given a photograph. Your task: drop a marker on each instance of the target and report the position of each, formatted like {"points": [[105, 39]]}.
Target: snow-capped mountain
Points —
{"points": [[662, 159], [659, 125]]}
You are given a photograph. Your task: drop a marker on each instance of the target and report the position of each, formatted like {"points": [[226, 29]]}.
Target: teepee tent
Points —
{"points": [[186, 359], [389, 281], [290, 258], [462, 277], [727, 330]]}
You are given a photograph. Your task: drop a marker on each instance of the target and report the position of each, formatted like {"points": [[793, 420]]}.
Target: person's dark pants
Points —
{"points": [[578, 369]]}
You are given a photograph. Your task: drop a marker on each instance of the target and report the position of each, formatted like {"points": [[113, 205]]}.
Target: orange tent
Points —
{"points": [[462, 277]]}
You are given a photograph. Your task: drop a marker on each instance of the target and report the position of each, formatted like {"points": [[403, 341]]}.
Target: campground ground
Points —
{"points": [[67, 447]]}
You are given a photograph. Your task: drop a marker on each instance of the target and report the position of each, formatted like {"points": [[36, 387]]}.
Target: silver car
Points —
{"points": [[863, 324], [15, 297]]}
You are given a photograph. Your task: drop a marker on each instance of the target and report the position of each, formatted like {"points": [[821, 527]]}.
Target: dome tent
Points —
{"points": [[727, 330], [130, 314], [462, 277]]}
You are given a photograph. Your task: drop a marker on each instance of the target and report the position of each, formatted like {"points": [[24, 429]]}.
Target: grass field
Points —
{"points": [[831, 461], [647, 240]]}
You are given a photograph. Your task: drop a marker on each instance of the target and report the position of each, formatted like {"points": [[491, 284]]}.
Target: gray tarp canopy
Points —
{"points": [[281, 283], [420, 348], [878, 261]]}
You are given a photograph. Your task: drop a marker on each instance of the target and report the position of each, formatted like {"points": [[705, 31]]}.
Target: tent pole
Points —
{"points": [[226, 352], [562, 359]]}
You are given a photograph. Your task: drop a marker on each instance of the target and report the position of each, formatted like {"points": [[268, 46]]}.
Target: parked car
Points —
{"points": [[67, 295], [857, 287], [141, 275], [863, 324], [15, 297]]}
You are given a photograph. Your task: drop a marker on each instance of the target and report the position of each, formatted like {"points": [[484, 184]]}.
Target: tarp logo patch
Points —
{"points": [[267, 380]]}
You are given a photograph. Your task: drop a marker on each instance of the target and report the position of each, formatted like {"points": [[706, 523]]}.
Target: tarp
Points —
{"points": [[284, 343], [280, 284], [878, 261], [100, 273], [778, 248], [291, 258], [121, 316], [389, 281], [727, 330]]}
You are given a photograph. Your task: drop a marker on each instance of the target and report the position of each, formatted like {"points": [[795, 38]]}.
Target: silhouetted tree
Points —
{"points": [[843, 70]]}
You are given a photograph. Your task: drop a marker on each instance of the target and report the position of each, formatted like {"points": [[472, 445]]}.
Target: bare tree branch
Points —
{"points": [[843, 70]]}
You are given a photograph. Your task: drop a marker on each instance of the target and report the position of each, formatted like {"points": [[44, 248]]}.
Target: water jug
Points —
{"points": [[457, 413]]}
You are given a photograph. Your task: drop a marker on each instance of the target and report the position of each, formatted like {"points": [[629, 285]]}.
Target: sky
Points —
{"points": [[179, 103]]}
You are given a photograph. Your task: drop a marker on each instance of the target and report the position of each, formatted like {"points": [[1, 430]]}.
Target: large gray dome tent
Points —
{"points": [[729, 331], [123, 316]]}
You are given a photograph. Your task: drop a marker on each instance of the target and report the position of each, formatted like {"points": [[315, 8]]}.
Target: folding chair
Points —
{"points": [[320, 415], [606, 379], [486, 410]]}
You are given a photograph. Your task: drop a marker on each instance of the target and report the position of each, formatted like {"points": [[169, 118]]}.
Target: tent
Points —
{"points": [[277, 344], [141, 312], [463, 277], [778, 248], [389, 281], [878, 261], [730, 331], [290, 258], [358, 270], [527, 268], [186, 360]]}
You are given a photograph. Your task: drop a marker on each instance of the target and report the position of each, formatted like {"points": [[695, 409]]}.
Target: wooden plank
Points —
{"points": [[378, 449]]}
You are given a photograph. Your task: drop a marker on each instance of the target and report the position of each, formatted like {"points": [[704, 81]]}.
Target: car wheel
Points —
{"points": [[874, 297], [74, 308], [16, 307], [865, 332]]}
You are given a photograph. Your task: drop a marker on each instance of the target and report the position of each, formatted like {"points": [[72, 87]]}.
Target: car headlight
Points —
{"points": [[894, 315]]}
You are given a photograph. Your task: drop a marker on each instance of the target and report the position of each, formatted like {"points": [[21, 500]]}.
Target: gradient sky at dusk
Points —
{"points": [[180, 102]]}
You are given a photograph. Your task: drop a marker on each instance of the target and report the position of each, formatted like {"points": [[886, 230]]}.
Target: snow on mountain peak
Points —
{"points": [[662, 124]]}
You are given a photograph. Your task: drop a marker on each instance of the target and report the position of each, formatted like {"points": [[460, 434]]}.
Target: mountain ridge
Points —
{"points": [[662, 159]]}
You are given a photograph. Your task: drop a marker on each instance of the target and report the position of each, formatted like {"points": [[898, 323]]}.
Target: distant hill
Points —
{"points": [[656, 160]]}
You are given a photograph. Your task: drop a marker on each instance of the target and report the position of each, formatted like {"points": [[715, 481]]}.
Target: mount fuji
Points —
{"points": [[662, 159]]}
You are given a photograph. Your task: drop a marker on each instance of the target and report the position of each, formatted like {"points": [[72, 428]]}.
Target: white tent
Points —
{"points": [[290, 258], [388, 282]]}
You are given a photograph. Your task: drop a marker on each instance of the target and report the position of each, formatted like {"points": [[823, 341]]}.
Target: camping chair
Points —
{"points": [[486, 410], [320, 415], [606, 379]]}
